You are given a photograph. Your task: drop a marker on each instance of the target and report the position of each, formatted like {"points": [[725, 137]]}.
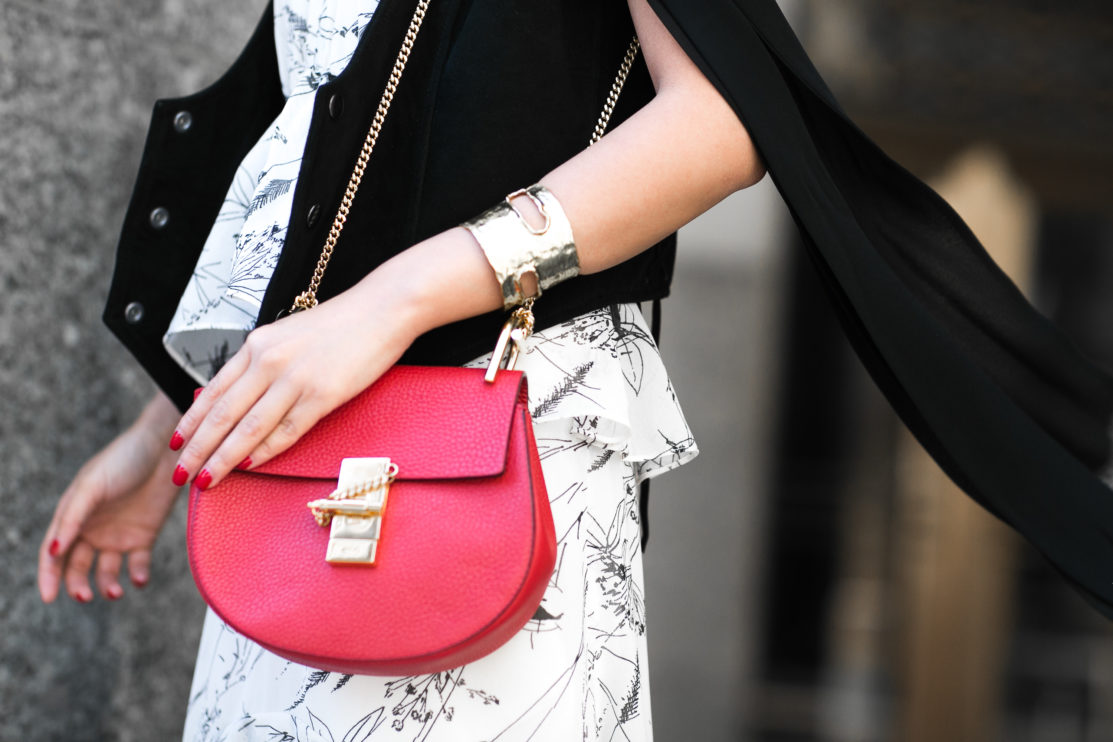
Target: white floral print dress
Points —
{"points": [[605, 417]]}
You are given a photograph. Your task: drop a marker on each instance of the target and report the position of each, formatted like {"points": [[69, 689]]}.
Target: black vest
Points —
{"points": [[496, 94]]}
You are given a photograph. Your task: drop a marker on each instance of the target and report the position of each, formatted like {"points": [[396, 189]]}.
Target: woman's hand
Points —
{"points": [[290, 374], [114, 507]]}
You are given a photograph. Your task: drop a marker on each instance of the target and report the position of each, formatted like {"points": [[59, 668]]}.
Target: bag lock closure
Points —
{"points": [[355, 510]]}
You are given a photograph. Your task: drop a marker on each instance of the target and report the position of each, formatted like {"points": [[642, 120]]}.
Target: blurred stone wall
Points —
{"points": [[928, 80], [77, 82]]}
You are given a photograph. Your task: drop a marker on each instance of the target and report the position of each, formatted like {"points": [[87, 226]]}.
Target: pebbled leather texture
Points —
{"points": [[464, 558], [399, 414]]}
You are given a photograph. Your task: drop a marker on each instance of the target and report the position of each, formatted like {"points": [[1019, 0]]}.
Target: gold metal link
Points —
{"points": [[308, 298], [323, 509], [616, 90]]}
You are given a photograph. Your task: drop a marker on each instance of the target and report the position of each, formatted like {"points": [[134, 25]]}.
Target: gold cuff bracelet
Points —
{"points": [[515, 249]]}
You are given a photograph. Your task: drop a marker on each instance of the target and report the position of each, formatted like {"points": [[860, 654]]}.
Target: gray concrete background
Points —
{"points": [[77, 80]]}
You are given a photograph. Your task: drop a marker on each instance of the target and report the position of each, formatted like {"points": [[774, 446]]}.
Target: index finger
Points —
{"points": [[205, 397], [50, 568], [64, 527]]}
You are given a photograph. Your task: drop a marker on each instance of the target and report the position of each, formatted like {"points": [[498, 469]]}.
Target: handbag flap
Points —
{"points": [[434, 422]]}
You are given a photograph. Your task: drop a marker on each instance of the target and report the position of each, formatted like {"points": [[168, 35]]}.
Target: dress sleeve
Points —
{"points": [[1013, 412]]}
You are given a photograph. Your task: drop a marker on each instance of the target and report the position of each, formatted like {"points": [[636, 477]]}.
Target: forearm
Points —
{"points": [[673, 160], [669, 163]]}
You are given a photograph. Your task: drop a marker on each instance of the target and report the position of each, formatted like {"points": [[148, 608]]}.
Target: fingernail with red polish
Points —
{"points": [[115, 592], [139, 581], [83, 598], [197, 392], [180, 476], [245, 464], [54, 548], [176, 441], [204, 479]]}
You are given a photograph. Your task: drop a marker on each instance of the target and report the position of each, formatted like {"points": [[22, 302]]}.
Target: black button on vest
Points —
{"points": [[313, 216], [183, 121], [159, 217], [133, 313]]}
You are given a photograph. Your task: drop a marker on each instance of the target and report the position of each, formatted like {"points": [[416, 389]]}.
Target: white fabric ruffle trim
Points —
{"points": [[599, 380]]}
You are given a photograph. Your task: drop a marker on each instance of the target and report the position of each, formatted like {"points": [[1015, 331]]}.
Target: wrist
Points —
{"points": [[156, 423], [528, 243], [159, 416], [441, 280]]}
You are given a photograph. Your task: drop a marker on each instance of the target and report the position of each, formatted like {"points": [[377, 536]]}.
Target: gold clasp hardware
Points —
{"points": [[355, 510], [512, 341]]}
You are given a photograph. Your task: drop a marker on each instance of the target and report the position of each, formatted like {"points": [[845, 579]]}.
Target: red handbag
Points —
{"points": [[466, 545]]}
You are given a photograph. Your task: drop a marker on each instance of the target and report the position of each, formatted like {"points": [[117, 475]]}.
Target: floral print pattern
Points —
{"points": [[315, 40]]}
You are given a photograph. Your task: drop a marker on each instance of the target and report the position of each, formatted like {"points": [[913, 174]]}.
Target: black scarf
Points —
{"points": [[1012, 412]]}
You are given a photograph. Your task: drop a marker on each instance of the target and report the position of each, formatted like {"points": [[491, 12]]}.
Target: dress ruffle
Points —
{"points": [[600, 380], [221, 303]]}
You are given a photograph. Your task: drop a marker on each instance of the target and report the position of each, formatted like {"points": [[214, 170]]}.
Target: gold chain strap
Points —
{"points": [[308, 298], [616, 90]]}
